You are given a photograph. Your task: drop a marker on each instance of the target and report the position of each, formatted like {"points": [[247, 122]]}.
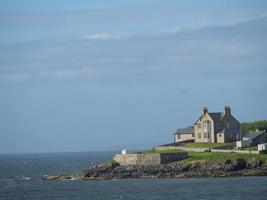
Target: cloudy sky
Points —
{"points": [[105, 75]]}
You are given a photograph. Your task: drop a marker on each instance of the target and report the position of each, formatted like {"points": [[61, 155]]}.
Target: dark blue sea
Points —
{"points": [[19, 180]]}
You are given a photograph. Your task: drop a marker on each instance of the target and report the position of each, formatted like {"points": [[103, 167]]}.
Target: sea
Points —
{"points": [[20, 179]]}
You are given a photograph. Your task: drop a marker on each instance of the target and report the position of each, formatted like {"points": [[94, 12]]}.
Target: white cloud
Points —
{"points": [[188, 27], [203, 23], [108, 36]]}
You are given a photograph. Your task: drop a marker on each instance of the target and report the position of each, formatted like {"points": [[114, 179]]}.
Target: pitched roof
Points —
{"points": [[215, 116], [187, 130], [253, 134], [221, 131]]}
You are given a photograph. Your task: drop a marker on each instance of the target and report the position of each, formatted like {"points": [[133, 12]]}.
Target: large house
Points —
{"points": [[217, 127], [212, 127]]}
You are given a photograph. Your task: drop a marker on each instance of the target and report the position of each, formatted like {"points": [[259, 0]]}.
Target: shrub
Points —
{"points": [[263, 152]]}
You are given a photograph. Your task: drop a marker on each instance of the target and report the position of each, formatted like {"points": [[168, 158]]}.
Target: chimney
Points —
{"points": [[227, 110], [205, 110]]}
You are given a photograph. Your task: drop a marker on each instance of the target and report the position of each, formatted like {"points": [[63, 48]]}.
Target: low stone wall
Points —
{"points": [[207, 149], [127, 159], [181, 148], [234, 151], [149, 158]]}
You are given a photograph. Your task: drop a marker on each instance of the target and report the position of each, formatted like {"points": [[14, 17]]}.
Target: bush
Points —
{"points": [[263, 152]]}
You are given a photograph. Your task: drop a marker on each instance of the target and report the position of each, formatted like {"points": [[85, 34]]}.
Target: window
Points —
{"points": [[199, 135], [178, 136], [199, 125], [207, 126], [206, 135]]}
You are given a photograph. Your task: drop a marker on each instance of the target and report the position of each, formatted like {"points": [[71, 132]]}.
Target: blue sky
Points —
{"points": [[107, 75]]}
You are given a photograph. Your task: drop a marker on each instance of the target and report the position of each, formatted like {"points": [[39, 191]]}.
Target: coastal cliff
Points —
{"points": [[112, 170]]}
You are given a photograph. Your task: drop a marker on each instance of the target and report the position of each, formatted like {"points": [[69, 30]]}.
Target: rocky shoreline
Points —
{"points": [[112, 170]]}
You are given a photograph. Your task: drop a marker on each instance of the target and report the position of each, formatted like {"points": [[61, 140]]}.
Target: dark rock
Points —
{"points": [[112, 170]]}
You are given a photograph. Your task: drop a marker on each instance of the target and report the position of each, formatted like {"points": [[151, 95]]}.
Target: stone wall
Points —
{"points": [[149, 158], [182, 148]]}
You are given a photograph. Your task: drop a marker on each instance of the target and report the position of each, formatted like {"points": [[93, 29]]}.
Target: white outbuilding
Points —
{"points": [[262, 147]]}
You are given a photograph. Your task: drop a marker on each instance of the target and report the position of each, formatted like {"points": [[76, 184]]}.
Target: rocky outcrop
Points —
{"points": [[112, 170]]}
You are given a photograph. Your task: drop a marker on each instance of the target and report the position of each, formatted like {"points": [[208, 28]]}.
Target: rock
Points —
{"points": [[112, 170]]}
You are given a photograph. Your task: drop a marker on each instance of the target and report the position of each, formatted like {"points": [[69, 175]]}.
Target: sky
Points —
{"points": [[106, 75]]}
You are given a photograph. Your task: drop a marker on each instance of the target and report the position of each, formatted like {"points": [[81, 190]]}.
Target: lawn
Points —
{"points": [[163, 151], [251, 148], [211, 156], [209, 145]]}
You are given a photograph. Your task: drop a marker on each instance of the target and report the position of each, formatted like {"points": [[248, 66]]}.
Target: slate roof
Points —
{"points": [[216, 116], [253, 134], [187, 130], [221, 131]]}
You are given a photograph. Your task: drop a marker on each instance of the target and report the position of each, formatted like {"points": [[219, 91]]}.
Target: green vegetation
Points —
{"points": [[212, 156], [252, 126], [263, 152], [110, 163], [209, 145], [250, 148], [163, 151]]}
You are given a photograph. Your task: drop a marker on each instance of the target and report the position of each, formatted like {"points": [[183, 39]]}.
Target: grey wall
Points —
{"points": [[149, 159]]}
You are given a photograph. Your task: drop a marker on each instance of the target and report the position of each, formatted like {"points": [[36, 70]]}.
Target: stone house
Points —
{"points": [[184, 134], [217, 127]]}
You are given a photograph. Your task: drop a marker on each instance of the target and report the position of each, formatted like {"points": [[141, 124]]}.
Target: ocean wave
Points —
{"points": [[17, 179]]}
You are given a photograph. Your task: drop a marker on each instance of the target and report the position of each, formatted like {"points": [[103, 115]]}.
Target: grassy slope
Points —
{"points": [[163, 151], [209, 145], [212, 156], [251, 148]]}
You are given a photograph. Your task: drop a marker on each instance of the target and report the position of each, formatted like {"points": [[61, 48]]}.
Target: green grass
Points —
{"points": [[212, 156], [209, 145], [163, 151], [251, 148]]}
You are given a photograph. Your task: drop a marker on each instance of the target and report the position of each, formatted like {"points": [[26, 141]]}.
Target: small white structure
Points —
{"points": [[262, 147], [243, 143], [124, 152]]}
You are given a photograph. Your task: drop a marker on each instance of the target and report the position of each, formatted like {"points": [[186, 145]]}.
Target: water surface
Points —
{"points": [[18, 181]]}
